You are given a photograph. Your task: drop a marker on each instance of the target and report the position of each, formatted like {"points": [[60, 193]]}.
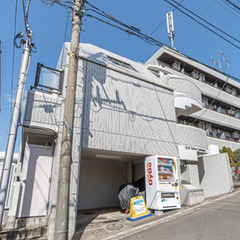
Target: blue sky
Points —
{"points": [[48, 26]]}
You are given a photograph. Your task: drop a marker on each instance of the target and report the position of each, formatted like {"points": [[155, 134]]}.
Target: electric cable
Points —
{"points": [[202, 19], [137, 32], [220, 4], [214, 99], [232, 5], [24, 16], [216, 33], [65, 33], [213, 14], [233, 44], [156, 28]]}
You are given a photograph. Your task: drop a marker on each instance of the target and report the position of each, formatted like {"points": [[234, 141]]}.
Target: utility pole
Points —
{"points": [[17, 109], [62, 208]]}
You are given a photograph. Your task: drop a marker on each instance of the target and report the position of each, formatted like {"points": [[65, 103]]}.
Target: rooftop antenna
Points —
{"points": [[220, 61], [170, 27]]}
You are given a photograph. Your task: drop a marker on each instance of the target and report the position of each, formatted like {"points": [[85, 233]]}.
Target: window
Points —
{"points": [[48, 78], [121, 63]]}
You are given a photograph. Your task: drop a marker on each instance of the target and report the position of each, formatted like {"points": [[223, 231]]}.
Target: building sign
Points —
{"points": [[196, 149], [190, 153]]}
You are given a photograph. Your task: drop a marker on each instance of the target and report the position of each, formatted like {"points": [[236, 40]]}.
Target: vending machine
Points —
{"points": [[162, 183]]}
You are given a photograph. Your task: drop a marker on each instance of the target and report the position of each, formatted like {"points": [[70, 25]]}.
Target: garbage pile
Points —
{"points": [[131, 190]]}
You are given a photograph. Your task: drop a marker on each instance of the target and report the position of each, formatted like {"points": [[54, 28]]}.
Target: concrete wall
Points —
{"points": [[191, 136], [99, 183], [215, 175], [223, 143], [123, 113], [42, 110]]}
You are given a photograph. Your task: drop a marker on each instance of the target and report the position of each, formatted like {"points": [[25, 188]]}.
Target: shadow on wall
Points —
{"points": [[34, 107], [201, 170], [97, 97]]}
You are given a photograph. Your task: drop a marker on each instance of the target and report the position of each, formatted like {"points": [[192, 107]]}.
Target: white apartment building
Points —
{"points": [[124, 111]]}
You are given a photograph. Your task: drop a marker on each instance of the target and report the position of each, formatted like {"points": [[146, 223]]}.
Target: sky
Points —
{"points": [[48, 25]]}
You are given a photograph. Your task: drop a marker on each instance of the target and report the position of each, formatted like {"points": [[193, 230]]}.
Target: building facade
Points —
{"points": [[124, 111]]}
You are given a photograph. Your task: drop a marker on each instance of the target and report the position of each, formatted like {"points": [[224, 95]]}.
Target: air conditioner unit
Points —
{"points": [[209, 131], [201, 77], [237, 115], [228, 89], [176, 65], [219, 109], [205, 102], [195, 74], [234, 92], [222, 135], [231, 112], [235, 135]]}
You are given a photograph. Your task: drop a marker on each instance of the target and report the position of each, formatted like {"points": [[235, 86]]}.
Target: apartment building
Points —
{"points": [[124, 111], [220, 113]]}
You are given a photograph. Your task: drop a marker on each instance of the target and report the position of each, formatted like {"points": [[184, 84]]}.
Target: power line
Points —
{"points": [[211, 30], [134, 31], [65, 33], [202, 19], [220, 4], [215, 98], [232, 5], [213, 14], [156, 28]]}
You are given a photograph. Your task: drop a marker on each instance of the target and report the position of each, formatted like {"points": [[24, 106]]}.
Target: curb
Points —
{"points": [[179, 213]]}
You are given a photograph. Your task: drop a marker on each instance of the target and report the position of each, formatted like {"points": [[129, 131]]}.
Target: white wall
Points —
{"points": [[99, 183], [215, 175]]}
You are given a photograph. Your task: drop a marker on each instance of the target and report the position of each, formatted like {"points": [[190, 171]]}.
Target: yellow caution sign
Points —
{"points": [[138, 209]]}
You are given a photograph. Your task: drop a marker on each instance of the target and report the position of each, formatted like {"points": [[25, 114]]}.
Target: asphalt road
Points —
{"points": [[216, 221]]}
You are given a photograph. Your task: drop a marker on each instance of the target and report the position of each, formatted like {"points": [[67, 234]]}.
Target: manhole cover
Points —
{"points": [[114, 226]]}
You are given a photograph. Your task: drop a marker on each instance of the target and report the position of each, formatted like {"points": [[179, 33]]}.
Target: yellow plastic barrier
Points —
{"points": [[138, 209]]}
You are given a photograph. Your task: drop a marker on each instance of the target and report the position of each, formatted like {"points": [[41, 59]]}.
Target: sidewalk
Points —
{"points": [[111, 224]]}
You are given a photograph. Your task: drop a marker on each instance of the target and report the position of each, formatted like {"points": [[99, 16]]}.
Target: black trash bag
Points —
{"points": [[140, 183], [125, 193]]}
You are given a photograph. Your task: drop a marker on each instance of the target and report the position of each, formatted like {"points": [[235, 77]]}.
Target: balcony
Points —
{"points": [[216, 92], [218, 118], [187, 95], [42, 110], [223, 143], [191, 136]]}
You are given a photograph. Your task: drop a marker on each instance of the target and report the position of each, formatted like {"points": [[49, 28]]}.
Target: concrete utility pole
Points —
{"points": [[17, 109], [62, 208]]}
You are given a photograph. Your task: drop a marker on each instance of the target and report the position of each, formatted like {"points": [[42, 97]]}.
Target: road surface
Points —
{"points": [[216, 221]]}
